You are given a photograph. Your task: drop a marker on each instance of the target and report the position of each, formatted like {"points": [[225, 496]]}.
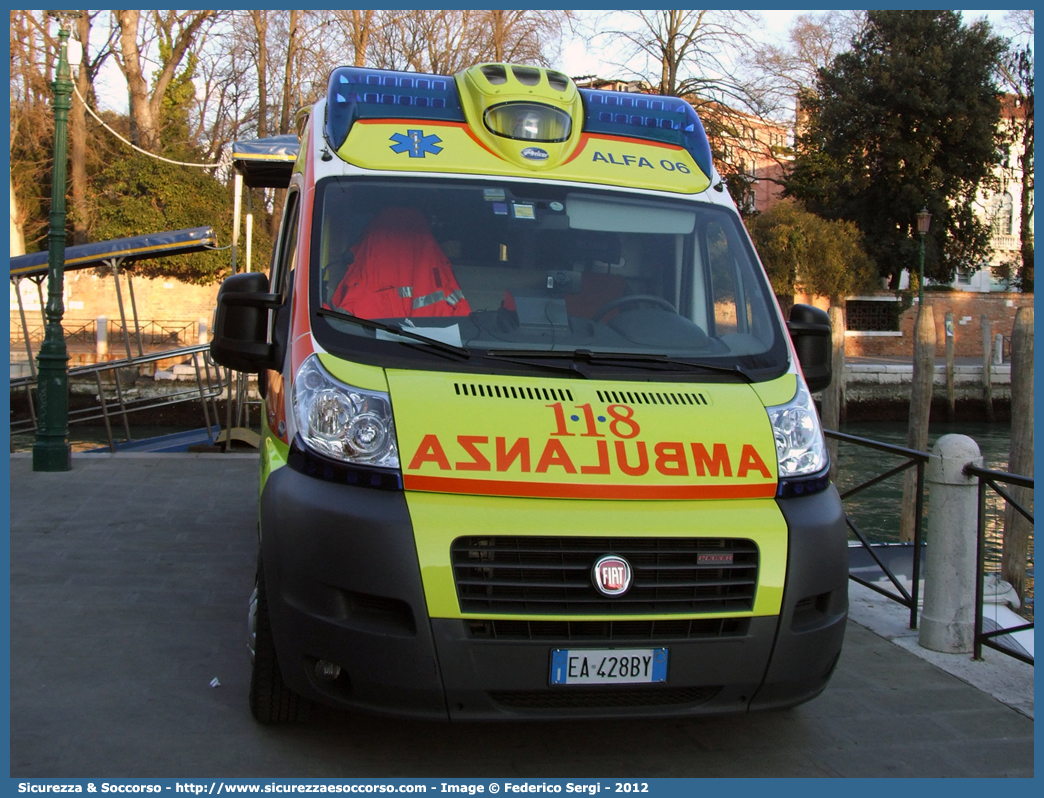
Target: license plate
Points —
{"points": [[608, 666]]}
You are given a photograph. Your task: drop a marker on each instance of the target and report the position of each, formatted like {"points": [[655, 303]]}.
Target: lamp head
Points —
{"points": [[924, 220]]}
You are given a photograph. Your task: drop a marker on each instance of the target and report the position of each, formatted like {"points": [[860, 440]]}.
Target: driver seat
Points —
{"points": [[596, 289]]}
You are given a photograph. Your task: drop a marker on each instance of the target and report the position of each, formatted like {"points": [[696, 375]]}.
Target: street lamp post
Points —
{"points": [[924, 219], [51, 451]]}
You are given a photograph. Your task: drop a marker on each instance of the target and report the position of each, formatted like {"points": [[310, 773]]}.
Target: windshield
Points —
{"points": [[539, 272]]}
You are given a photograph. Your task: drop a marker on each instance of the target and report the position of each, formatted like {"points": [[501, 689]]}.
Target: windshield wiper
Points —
{"points": [[456, 351], [517, 355], [625, 359]]}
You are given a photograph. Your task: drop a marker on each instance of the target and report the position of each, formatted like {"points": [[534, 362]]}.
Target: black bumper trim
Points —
{"points": [[344, 586]]}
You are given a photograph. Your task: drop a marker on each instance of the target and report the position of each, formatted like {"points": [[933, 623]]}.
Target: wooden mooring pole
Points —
{"points": [[987, 356], [920, 410], [834, 394], [951, 393], [1017, 529]]}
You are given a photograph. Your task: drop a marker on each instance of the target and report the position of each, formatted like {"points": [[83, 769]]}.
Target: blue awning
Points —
{"points": [[268, 162], [134, 248]]}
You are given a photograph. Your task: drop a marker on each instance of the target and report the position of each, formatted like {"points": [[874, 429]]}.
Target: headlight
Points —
{"points": [[343, 422], [800, 446]]}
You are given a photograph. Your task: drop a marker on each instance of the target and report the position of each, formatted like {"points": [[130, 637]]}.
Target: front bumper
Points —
{"points": [[344, 585]]}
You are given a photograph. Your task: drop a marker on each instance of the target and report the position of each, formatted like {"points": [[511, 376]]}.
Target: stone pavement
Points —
{"points": [[129, 582]]}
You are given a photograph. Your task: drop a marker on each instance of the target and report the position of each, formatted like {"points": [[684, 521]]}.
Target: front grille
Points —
{"points": [[681, 629], [552, 575], [602, 697]]}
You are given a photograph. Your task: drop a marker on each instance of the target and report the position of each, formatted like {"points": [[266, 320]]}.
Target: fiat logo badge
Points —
{"points": [[611, 575]]}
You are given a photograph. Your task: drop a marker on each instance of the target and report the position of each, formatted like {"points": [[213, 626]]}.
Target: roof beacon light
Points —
{"points": [[653, 117], [528, 116], [528, 122], [356, 93]]}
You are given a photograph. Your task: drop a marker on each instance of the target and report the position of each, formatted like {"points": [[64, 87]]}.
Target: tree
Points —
{"points": [[693, 54], [78, 145], [446, 42], [138, 194], [357, 27], [260, 20], [176, 102], [126, 193], [784, 73], [31, 123], [17, 243], [523, 37], [223, 107], [176, 31], [30, 33], [906, 119], [814, 40], [684, 53], [439, 41], [804, 252], [293, 45]]}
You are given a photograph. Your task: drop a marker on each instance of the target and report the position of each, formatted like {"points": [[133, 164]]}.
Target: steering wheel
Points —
{"points": [[631, 299]]}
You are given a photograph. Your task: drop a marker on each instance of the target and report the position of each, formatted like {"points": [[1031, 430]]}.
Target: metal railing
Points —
{"points": [[209, 385], [915, 459], [988, 478], [154, 332]]}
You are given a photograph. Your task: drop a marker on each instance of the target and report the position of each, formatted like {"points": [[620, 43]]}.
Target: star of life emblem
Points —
{"points": [[415, 143]]}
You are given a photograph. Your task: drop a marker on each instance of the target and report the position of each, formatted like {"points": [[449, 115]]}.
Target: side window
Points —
{"points": [[740, 304], [725, 288], [285, 260], [283, 265]]}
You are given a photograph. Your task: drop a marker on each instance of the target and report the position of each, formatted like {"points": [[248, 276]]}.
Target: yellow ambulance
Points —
{"points": [[537, 440]]}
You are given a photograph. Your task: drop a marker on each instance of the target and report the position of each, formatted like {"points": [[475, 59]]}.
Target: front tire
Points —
{"points": [[271, 701]]}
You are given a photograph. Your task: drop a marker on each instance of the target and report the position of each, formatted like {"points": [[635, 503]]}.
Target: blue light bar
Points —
{"points": [[653, 117], [358, 93]]}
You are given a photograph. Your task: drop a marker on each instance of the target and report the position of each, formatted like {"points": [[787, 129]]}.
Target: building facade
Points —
{"points": [[1001, 208]]}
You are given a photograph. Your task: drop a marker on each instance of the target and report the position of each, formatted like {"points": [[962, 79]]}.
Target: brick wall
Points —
{"points": [[967, 309], [88, 296]]}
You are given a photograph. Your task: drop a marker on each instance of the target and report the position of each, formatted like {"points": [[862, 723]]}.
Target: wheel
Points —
{"points": [[271, 701], [631, 299]]}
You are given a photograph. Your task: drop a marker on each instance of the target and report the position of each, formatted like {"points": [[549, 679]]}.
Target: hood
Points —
{"points": [[547, 438]]}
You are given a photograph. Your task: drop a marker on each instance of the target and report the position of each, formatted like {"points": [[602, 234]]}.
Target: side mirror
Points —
{"points": [[809, 329], [240, 339]]}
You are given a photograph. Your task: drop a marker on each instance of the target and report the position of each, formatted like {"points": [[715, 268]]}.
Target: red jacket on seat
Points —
{"points": [[399, 271]]}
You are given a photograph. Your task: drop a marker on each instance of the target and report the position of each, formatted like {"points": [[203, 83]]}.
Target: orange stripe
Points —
{"points": [[561, 490], [398, 121], [433, 123], [634, 140], [581, 145], [481, 143], [587, 138]]}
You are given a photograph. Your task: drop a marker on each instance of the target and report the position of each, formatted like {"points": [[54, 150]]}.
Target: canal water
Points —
{"points": [[875, 511]]}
